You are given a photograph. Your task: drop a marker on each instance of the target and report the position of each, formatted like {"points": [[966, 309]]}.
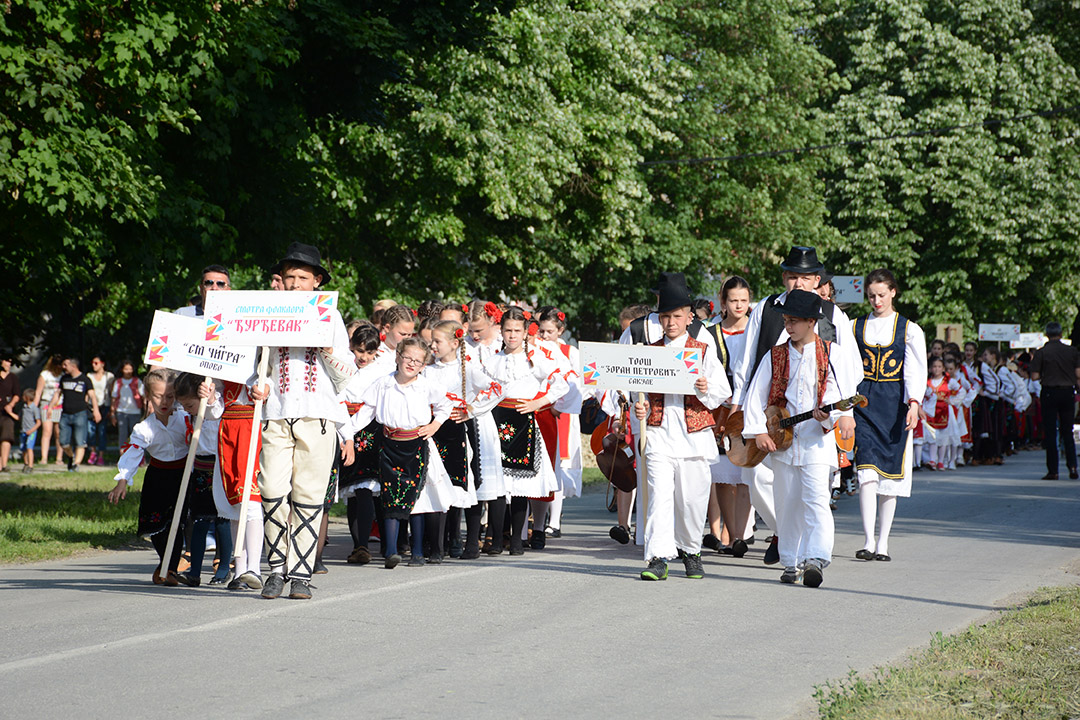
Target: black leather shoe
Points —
{"points": [[300, 590], [186, 578], [619, 534], [738, 548], [274, 586], [1073, 474], [864, 554], [1052, 476], [882, 558], [711, 541], [538, 541], [772, 553]]}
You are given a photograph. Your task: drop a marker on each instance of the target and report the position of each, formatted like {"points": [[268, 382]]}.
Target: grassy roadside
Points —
{"points": [[1024, 664], [52, 515]]}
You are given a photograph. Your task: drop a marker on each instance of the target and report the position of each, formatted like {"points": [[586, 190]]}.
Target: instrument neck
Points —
{"points": [[801, 417]]}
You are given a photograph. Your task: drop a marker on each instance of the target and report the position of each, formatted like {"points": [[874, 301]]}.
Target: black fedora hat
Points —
{"points": [[304, 255], [802, 304], [673, 292], [802, 260], [826, 276]]}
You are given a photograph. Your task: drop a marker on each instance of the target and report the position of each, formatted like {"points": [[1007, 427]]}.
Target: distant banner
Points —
{"points": [[849, 288], [644, 368], [178, 342], [270, 317], [1001, 332], [1028, 341]]}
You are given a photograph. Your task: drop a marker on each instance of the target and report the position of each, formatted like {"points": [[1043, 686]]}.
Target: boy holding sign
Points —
{"points": [[680, 445], [299, 436]]}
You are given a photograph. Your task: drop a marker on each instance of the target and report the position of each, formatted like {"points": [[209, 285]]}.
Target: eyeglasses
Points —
{"points": [[215, 283], [405, 360]]}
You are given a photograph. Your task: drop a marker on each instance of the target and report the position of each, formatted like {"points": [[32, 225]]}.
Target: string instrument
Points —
{"points": [[614, 457], [780, 424]]}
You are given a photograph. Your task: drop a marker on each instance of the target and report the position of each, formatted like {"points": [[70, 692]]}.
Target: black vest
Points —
{"points": [[772, 324]]}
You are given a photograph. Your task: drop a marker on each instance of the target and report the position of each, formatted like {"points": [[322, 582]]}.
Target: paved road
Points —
{"points": [[568, 632]]}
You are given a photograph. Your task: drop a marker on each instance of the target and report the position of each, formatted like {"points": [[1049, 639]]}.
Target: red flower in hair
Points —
{"points": [[459, 333], [710, 307], [492, 311], [465, 309], [527, 314], [414, 314], [533, 327], [382, 336], [561, 315]]}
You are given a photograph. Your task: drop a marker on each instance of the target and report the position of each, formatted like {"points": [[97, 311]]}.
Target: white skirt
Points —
{"points": [[725, 472], [348, 491], [493, 482], [569, 469], [438, 492], [225, 508], [465, 498]]}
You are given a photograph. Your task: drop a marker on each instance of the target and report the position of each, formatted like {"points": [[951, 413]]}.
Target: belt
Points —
{"points": [[236, 412], [401, 433], [167, 465], [353, 407]]}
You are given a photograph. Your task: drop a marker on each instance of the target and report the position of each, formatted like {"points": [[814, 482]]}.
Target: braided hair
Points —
{"points": [[516, 314], [453, 330]]}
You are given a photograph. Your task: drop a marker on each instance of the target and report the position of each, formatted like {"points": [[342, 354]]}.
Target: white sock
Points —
{"points": [[887, 510], [868, 506]]}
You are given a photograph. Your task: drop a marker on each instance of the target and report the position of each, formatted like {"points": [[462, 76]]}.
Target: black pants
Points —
{"points": [[1058, 413]]}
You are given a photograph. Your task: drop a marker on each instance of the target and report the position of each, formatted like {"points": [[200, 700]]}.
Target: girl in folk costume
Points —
{"points": [[985, 431], [798, 376], [729, 499], [959, 388], [893, 351], [161, 438], [1004, 407], [233, 441], [967, 369], [397, 323], [484, 338], [202, 509], [410, 409], [360, 480], [531, 381], [939, 387], [551, 324], [456, 441], [680, 444]]}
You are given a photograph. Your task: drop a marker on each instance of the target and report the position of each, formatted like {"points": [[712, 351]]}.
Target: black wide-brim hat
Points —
{"points": [[802, 260], [802, 304], [826, 276], [306, 255], [673, 292]]}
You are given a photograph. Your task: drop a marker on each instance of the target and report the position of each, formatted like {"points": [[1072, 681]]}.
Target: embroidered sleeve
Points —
{"points": [[132, 453]]}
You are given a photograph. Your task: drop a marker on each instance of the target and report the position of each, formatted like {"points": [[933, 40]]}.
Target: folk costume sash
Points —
{"points": [[880, 440], [697, 416], [781, 371], [940, 421]]}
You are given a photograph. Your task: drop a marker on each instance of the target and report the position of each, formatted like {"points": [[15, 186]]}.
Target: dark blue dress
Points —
{"points": [[880, 437]]}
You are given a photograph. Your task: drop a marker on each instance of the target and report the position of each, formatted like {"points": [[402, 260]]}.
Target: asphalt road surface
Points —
{"points": [[566, 632]]}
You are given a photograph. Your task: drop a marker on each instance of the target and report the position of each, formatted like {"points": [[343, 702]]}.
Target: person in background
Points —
{"points": [[78, 401], [1057, 366], [9, 395], [126, 406], [31, 421], [47, 383], [102, 380], [214, 277]]}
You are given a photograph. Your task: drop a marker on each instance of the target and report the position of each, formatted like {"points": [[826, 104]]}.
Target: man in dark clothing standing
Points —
{"points": [[9, 395], [1057, 366], [79, 401]]}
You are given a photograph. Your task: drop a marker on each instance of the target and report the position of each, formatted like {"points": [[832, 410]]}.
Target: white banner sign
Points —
{"points": [[178, 342], [849, 288], [644, 368], [1028, 340], [270, 317], [999, 332]]}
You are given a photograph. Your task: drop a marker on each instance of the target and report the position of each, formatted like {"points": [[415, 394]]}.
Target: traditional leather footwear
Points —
{"points": [[864, 554], [772, 553], [274, 586], [300, 590]]}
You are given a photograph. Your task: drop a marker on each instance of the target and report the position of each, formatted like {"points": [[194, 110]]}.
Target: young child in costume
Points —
{"points": [[798, 376]]}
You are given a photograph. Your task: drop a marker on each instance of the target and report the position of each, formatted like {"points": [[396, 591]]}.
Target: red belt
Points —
{"points": [[353, 407], [237, 412], [170, 465], [401, 433]]}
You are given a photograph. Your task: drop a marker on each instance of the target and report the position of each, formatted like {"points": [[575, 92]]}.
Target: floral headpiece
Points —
{"points": [[527, 314], [493, 312], [459, 333], [533, 327], [561, 315], [465, 309]]}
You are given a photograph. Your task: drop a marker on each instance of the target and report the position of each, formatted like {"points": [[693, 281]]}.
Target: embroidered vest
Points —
{"points": [[697, 416], [781, 371], [772, 324]]}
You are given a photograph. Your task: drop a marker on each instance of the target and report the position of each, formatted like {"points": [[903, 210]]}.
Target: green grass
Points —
{"points": [[1025, 664], [53, 515]]}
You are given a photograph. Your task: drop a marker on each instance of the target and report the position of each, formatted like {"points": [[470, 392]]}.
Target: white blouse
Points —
{"points": [[306, 382], [406, 406], [167, 443], [520, 380]]}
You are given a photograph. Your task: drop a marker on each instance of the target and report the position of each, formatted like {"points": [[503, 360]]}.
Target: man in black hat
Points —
{"points": [[214, 277], [646, 330], [299, 438], [797, 376], [680, 446], [801, 270]]}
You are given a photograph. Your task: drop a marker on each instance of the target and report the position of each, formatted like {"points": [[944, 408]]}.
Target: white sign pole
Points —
{"points": [[196, 431], [253, 443]]}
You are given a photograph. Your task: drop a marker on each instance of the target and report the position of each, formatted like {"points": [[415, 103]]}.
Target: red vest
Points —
{"points": [[781, 371], [697, 416]]}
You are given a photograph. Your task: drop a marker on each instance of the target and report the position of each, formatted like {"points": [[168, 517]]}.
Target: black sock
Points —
{"points": [[519, 513], [435, 527], [472, 527]]}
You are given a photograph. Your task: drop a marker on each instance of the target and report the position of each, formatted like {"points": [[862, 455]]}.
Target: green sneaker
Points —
{"points": [[657, 570], [694, 569]]}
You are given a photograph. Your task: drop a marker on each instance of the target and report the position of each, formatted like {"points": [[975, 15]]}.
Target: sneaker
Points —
{"points": [[789, 576], [772, 553], [692, 563], [299, 590], [620, 534], [189, 579], [812, 576], [27, 469], [250, 580], [319, 569], [93, 458], [392, 561], [101, 461], [72, 469], [274, 586], [657, 570], [359, 556]]}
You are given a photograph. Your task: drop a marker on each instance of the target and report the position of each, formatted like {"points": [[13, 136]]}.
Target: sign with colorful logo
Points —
{"points": [[849, 289], [178, 342], [645, 368], [269, 317], [1002, 332]]}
